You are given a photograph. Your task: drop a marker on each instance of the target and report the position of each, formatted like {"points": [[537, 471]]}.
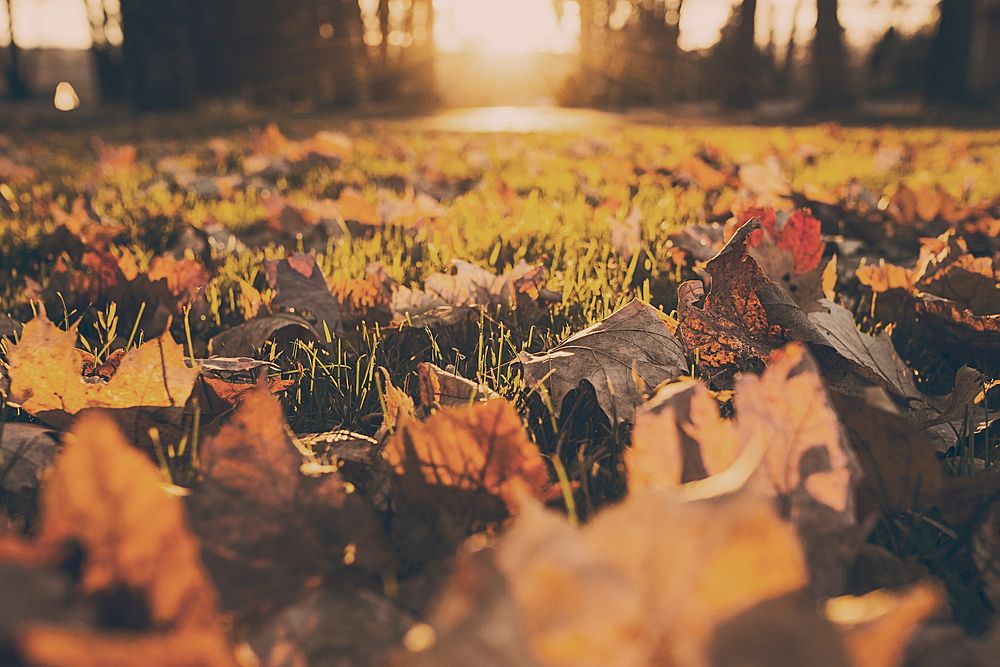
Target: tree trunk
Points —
{"points": [[829, 60], [157, 53], [383, 26], [742, 63], [950, 54], [17, 87]]}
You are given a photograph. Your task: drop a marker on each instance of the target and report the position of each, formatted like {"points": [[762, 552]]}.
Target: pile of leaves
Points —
{"points": [[380, 396]]}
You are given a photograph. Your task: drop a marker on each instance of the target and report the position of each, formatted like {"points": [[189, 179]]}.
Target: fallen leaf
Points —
{"points": [[247, 339], [301, 288], [256, 512], [646, 581], [46, 380], [481, 447], [444, 388], [731, 330], [623, 357], [873, 357], [679, 436], [878, 626]]}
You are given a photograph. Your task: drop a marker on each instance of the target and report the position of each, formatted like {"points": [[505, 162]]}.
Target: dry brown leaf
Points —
{"points": [[901, 471], [47, 646], [256, 512], [46, 380], [878, 626], [108, 497], [301, 288], [444, 388], [731, 330], [447, 296], [480, 447], [874, 357], [679, 436], [954, 324], [623, 357], [646, 581], [248, 338]]}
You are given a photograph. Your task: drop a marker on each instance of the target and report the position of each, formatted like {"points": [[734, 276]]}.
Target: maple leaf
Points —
{"points": [[478, 447], [623, 356], [256, 512], [679, 436], [107, 498], [46, 381], [645, 582], [775, 447]]}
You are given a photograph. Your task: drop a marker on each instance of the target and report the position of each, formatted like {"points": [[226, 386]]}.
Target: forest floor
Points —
{"points": [[301, 393]]}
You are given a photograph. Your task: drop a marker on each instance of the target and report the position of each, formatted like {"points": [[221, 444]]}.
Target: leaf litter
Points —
{"points": [[453, 400]]}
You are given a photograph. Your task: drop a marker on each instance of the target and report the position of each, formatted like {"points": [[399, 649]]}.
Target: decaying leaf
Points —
{"points": [[731, 330], [623, 357]]}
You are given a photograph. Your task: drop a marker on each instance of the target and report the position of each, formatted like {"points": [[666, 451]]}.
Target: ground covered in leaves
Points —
{"points": [[376, 395]]}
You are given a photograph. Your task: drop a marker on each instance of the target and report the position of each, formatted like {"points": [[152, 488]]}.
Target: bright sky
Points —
{"points": [[520, 26]]}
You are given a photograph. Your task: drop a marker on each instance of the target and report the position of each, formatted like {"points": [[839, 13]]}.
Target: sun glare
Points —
{"points": [[511, 27]]}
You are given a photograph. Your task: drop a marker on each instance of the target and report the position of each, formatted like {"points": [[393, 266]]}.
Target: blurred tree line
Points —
{"points": [[630, 55], [172, 53], [162, 54]]}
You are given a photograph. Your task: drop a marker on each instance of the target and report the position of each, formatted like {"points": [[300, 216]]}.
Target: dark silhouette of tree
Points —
{"points": [[17, 87], [741, 60], [829, 60], [950, 54], [157, 53], [105, 37]]}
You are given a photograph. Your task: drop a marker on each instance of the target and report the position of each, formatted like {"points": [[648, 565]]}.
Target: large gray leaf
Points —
{"points": [[623, 357], [873, 356]]}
